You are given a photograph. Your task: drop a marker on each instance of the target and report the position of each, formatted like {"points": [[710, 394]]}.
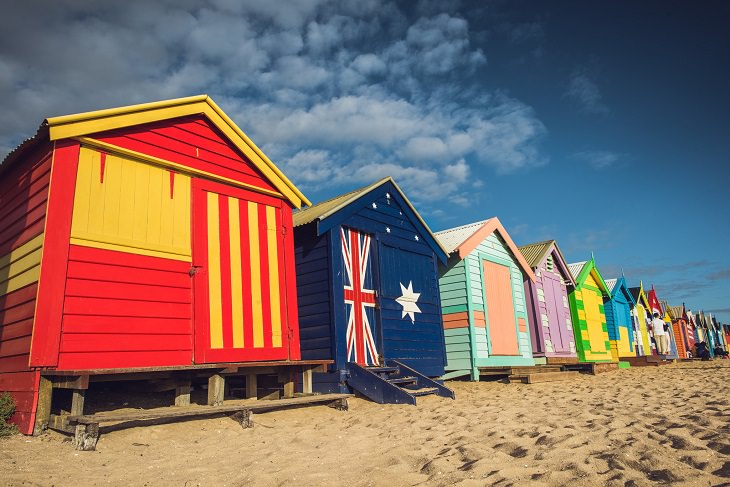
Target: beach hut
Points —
{"points": [[705, 332], [588, 314], [641, 317], [148, 239], [367, 283], [656, 306], [551, 328], [621, 331], [483, 299], [684, 336]]}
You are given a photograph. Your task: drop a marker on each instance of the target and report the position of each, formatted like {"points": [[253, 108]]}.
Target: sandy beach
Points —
{"points": [[639, 426]]}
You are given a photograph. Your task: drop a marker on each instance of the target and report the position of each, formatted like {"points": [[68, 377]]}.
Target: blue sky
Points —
{"points": [[603, 125]]}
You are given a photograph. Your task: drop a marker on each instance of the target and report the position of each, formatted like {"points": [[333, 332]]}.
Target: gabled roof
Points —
{"points": [[461, 241], [536, 253], [581, 270], [619, 285], [326, 209], [638, 294], [675, 312], [82, 125]]}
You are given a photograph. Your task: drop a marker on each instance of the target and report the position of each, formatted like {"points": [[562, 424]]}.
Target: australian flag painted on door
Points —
{"points": [[367, 284]]}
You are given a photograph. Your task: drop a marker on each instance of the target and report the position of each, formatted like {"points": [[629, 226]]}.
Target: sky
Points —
{"points": [[602, 125]]}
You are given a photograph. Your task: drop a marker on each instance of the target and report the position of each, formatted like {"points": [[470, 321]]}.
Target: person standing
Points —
{"points": [[660, 336]]}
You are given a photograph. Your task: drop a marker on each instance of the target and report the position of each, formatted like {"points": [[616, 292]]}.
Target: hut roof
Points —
{"points": [[580, 271], [81, 125], [535, 253], [325, 209], [463, 240]]}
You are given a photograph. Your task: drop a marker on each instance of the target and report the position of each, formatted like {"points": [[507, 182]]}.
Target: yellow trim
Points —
{"points": [[99, 145], [214, 273], [234, 229], [253, 234], [274, 297], [95, 244], [21, 266], [93, 122]]}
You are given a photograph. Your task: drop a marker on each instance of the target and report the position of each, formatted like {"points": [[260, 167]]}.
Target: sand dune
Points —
{"points": [[639, 426]]}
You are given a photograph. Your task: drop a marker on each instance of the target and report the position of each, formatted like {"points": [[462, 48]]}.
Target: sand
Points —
{"points": [[639, 426]]}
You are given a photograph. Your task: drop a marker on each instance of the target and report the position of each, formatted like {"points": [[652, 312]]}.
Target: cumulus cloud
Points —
{"points": [[335, 91]]}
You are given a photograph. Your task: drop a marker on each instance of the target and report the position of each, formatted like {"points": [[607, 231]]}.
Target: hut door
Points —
{"points": [[556, 313], [500, 309], [239, 288], [362, 332]]}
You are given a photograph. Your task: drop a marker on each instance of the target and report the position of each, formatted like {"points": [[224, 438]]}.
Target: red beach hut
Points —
{"points": [[148, 238]]}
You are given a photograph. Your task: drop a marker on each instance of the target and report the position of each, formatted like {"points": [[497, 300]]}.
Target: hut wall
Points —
{"points": [[459, 320], [557, 337], [642, 316], [589, 322], [23, 205]]}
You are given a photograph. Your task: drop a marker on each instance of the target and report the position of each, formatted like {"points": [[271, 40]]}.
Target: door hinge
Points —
{"points": [[194, 270]]}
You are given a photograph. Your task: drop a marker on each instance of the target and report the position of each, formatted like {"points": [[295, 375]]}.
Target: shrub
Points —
{"points": [[7, 408]]}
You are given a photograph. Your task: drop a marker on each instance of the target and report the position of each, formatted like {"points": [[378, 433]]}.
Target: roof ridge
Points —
{"points": [[549, 241], [461, 227]]}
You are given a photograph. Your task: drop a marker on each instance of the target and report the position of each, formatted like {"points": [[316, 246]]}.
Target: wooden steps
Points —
{"points": [[543, 377], [561, 360], [506, 371], [593, 368], [647, 361]]}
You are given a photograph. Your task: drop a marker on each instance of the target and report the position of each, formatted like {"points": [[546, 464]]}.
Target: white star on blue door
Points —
{"points": [[409, 301]]}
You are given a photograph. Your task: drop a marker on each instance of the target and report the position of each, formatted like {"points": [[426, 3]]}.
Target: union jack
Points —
{"points": [[356, 255]]}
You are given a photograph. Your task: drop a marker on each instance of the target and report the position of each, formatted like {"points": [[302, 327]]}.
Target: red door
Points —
{"points": [[239, 280]]}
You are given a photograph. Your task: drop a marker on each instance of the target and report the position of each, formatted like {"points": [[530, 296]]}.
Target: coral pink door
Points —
{"points": [[500, 309]]}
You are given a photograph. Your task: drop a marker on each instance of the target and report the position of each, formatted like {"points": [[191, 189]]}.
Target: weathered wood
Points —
{"points": [[77, 402], [244, 418], [543, 377], [70, 381], [216, 388], [340, 404], [241, 367], [307, 380], [43, 410], [182, 394], [59, 422], [86, 437], [251, 386]]}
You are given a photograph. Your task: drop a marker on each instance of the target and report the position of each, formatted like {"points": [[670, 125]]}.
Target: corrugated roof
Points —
{"points": [[610, 284], [453, 237], [535, 253], [576, 267], [322, 210]]}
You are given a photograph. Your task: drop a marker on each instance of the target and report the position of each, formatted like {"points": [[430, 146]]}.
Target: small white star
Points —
{"points": [[400, 213], [387, 229], [374, 205], [409, 301], [416, 237], [387, 195]]}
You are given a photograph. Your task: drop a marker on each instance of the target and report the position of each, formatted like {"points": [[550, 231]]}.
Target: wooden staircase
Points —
{"points": [[393, 383]]}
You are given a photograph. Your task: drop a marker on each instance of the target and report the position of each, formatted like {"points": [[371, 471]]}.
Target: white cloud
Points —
{"points": [[336, 92], [598, 159], [585, 92]]}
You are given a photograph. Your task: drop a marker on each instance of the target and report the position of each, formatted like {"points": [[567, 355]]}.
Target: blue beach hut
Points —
{"points": [[621, 332], [368, 296]]}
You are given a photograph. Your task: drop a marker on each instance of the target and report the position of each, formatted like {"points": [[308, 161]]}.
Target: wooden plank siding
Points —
{"points": [[23, 202], [589, 321], [314, 294], [125, 310], [193, 142]]}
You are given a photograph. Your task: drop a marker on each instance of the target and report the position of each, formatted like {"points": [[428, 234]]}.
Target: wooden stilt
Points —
{"points": [[43, 410], [307, 379], [216, 387], [182, 394], [251, 386], [77, 402]]}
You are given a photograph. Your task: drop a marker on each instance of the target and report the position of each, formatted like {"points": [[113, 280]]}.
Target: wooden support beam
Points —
{"points": [[182, 394], [77, 402], [86, 436], [216, 387], [307, 379], [251, 386], [70, 381], [43, 410]]}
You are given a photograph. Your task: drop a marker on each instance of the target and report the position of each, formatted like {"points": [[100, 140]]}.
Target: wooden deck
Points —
{"points": [[528, 374], [86, 427], [647, 361], [593, 368]]}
